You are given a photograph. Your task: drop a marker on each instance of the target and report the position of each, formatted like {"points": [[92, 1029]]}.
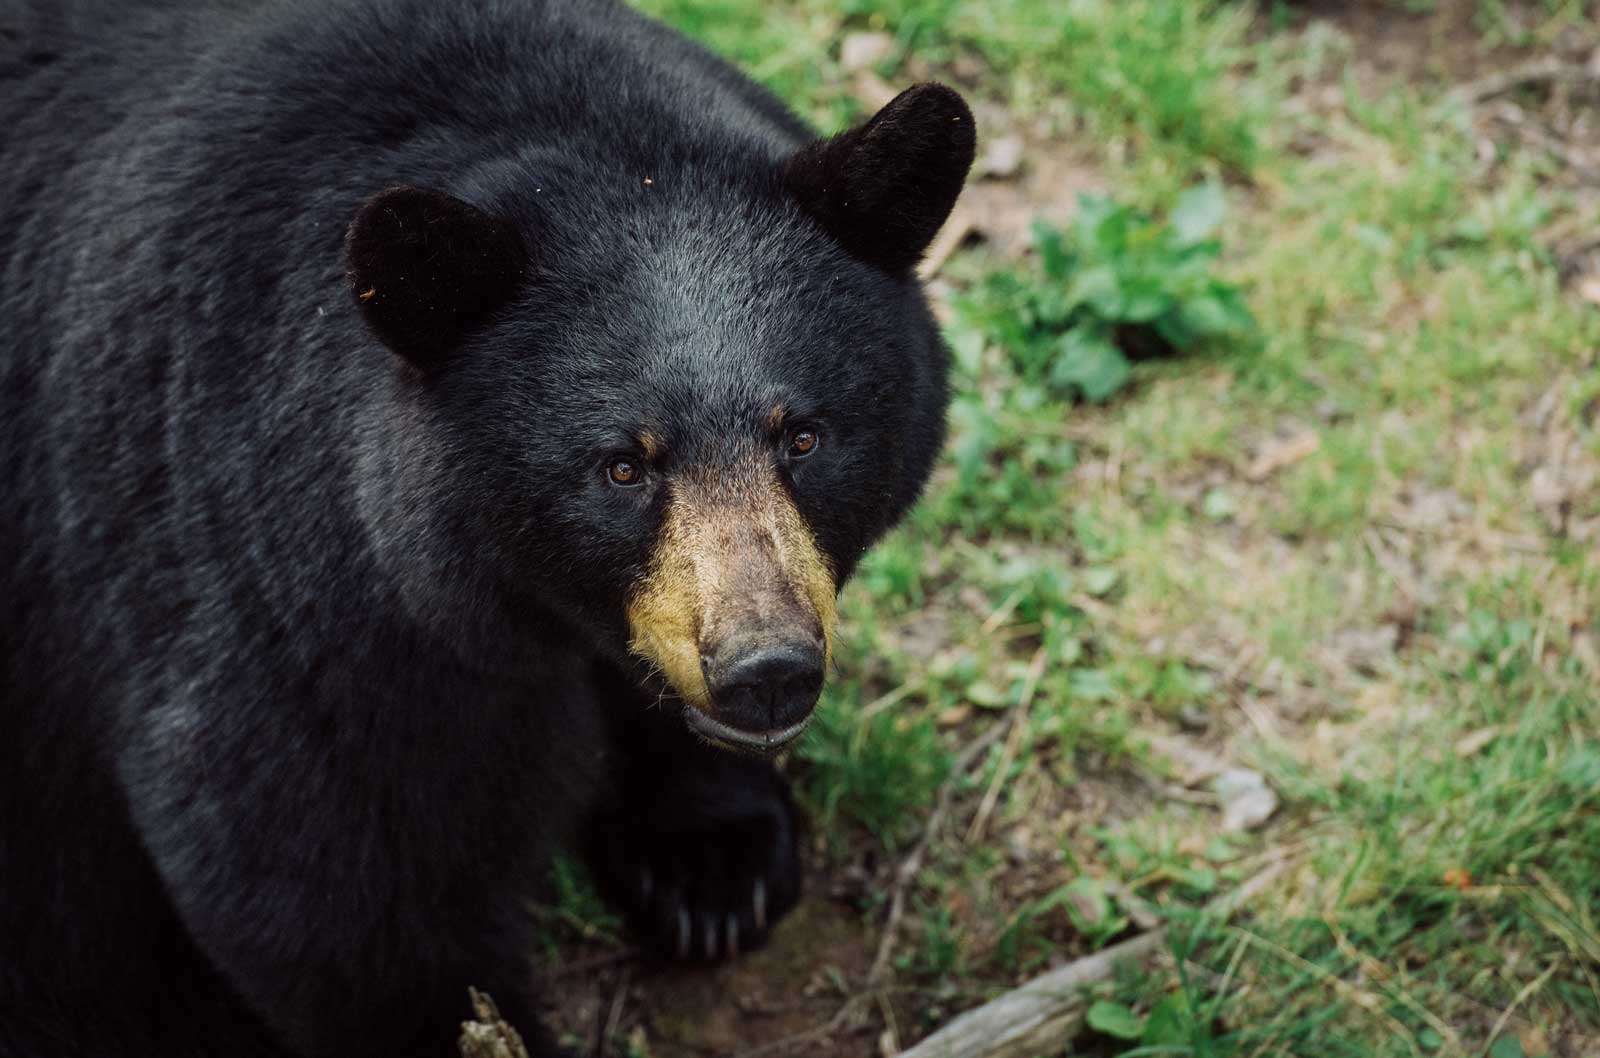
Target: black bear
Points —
{"points": [[431, 433]]}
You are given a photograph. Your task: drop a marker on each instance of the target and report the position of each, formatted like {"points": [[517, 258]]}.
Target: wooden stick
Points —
{"points": [[1548, 70], [912, 864], [1040, 1016], [1017, 722]]}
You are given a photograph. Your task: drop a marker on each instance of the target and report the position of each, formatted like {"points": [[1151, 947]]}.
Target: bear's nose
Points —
{"points": [[765, 695]]}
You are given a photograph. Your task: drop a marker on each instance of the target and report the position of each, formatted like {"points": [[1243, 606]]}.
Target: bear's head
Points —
{"points": [[661, 406]]}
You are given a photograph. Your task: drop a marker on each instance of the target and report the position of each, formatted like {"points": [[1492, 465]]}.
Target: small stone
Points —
{"points": [[1019, 846], [1002, 158], [1194, 718], [858, 51], [1247, 800]]}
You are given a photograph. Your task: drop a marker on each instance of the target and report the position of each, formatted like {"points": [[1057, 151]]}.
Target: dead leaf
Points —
{"points": [[1275, 457], [953, 716], [1472, 743]]}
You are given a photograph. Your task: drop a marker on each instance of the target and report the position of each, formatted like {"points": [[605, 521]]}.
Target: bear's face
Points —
{"points": [[681, 440]]}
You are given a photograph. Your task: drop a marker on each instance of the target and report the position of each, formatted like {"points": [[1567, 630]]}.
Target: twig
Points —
{"points": [[890, 1041], [1359, 996], [1516, 1001], [1544, 71], [1001, 612], [618, 998], [961, 224], [1374, 969], [912, 864], [1016, 724], [1224, 906], [889, 699], [1040, 1016]]}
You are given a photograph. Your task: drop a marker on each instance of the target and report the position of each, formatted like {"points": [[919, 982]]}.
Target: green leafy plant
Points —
{"points": [[1115, 286]]}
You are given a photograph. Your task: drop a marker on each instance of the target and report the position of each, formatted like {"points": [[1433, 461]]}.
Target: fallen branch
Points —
{"points": [[1042, 1015], [1546, 71], [1038, 1017]]}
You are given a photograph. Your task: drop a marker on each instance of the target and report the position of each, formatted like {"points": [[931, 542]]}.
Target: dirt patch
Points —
{"points": [[794, 984]]}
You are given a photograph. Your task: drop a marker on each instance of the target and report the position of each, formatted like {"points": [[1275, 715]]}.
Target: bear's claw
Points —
{"points": [[701, 883]]}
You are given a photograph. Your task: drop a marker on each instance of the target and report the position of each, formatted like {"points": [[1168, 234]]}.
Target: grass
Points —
{"points": [[1311, 544]]}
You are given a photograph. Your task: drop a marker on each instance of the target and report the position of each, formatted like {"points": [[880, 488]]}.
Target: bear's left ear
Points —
{"points": [[426, 267], [883, 189]]}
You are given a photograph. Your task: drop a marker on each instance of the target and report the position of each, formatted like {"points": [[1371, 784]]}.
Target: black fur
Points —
{"points": [[307, 657]]}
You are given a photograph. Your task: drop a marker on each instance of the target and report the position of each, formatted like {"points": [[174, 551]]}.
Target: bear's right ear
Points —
{"points": [[426, 267], [885, 188]]}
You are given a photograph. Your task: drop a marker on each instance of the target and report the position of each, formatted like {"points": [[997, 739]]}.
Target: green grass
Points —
{"points": [[1361, 275]]}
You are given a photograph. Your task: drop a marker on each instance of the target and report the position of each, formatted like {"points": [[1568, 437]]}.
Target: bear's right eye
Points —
{"points": [[624, 473]]}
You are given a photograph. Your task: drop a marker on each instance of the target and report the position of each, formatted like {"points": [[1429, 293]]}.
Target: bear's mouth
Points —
{"points": [[729, 737]]}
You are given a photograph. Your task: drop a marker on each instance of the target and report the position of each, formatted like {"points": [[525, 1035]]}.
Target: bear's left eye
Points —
{"points": [[624, 473], [803, 440]]}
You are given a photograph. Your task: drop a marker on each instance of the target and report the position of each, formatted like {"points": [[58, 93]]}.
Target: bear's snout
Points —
{"points": [[737, 610], [762, 693]]}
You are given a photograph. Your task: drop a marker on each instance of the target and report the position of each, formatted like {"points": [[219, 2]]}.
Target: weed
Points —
{"points": [[1115, 283]]}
